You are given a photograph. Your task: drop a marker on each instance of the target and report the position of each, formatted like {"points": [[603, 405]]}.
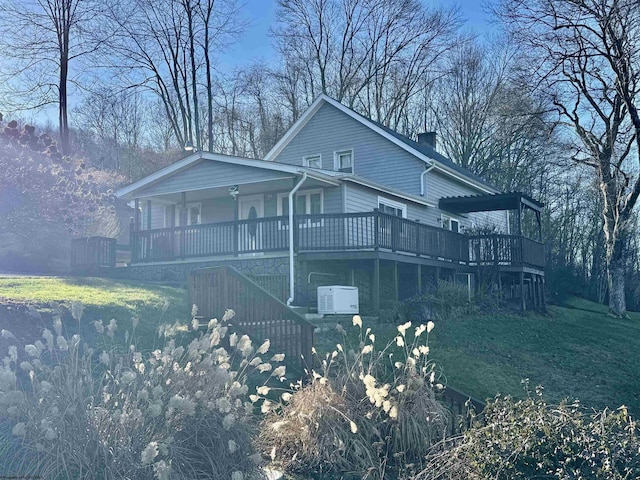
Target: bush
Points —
{"points": [[370, 413], [447, 301], [530, 439], [176, 412]]}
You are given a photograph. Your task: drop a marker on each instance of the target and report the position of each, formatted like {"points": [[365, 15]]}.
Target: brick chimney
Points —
{"points": [[427, 138]]}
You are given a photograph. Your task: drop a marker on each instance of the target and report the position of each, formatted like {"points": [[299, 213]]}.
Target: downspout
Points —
{"points": [[292, 280], [432, 165]]}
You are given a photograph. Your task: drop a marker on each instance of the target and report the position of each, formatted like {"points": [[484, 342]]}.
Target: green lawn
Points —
{"points": [[103, 299], [576, 351]]}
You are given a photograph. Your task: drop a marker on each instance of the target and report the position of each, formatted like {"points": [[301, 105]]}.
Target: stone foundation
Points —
{"points": [[179, 272]]}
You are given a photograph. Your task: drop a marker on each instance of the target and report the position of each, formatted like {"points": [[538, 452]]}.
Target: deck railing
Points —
{"points": [[498, 249], [258, 313], [333, 232], [92, 253]]}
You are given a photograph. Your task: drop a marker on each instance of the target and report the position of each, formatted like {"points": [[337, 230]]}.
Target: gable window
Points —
{"points": [[449, 223], [312, 161], [343, 161], [305, 203]]}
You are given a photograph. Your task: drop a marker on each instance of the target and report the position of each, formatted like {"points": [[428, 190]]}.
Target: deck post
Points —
{"points": [[376, 285], [419, 279], [376, 228], [523, 305], [396, 282], [544, 300]]}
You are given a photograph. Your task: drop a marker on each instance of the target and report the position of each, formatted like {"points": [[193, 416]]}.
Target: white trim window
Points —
{"points": [[343, 161], [312, 161], [450, 223], [307, 202], [194, 214], [391, 207]]}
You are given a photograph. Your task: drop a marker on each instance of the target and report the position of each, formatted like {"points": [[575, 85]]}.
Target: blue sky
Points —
{"points": [[255, 43]]}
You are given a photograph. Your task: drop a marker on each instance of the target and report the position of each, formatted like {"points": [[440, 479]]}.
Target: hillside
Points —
{"points": [[575, 351]]}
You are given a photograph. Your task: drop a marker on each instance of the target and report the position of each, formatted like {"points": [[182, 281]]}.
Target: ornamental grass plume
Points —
{"points": [[180, 411], [368, 411]]}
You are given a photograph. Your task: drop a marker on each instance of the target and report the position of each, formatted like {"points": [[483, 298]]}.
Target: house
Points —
{"points": [[339, 200]]}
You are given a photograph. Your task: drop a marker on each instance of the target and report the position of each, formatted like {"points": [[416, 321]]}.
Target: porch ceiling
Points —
{"points": [[488, 203], [269, 186]]}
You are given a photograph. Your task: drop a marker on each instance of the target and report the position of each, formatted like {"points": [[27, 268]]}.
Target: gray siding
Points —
{"points": [[380, 160], [157, 215], [375, 157], [363, 199], [217, 210], [209, 174], [439, 186], [332, 200]]}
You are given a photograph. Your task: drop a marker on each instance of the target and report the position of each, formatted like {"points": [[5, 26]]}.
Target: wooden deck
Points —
{"points": [[349, 232]]}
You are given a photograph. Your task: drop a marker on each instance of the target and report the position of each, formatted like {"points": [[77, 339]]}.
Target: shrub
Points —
{"points": [[179, 411], [370, 413], [531, 439], [447, 301]]}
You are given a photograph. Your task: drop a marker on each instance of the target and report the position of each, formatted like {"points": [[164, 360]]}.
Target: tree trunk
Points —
{"points": [[63, 121], [616, 276]]}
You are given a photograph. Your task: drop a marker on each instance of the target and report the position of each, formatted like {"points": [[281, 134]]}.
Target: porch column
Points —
{"points": [[136, 250], [376, 285], [148, 214], [419, 279], [520, 218], [523, 305], [183, 224], [136, 214]]}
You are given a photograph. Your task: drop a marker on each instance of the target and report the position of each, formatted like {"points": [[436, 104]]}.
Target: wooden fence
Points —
{"points": [[259, 314], [463, 408], [92, 253]]}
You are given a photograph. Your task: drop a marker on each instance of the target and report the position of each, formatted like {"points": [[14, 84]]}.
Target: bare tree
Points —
{"points": [[372, 55], [44, 39], [585, 55], [111, 127], [167, 47]]}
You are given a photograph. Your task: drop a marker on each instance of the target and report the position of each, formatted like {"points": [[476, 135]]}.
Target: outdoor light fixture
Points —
{"points": [[234, 191], [188, 146]]}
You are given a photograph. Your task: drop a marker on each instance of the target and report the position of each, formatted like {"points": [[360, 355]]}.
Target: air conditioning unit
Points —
{"points": [[338, 299]]}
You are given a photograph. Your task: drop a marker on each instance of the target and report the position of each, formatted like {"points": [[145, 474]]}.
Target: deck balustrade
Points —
{"points": [[333, 232]]}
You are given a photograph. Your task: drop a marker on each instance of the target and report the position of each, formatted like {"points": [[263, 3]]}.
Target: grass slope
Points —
{"points": [[576, 351], [103, 299]]}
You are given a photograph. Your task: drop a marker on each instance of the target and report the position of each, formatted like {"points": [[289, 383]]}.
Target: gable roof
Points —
{"points": [[196, 157], [424, 152], [329, 177]]}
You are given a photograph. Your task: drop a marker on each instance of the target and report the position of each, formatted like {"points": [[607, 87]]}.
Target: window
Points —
{"points": [[304, 203], [392, 208], [449, 223], [343, 161], [193, 214], [312, 161]]}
